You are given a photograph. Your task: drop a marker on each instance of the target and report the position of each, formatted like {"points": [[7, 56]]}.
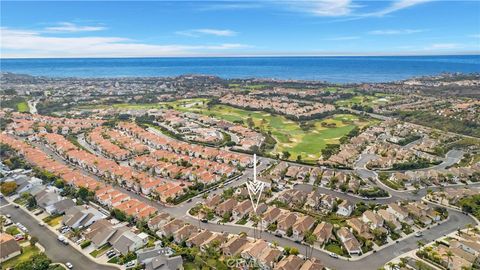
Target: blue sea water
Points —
{"points": [[333, 69]]}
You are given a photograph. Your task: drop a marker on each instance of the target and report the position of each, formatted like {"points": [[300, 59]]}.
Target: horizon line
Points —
{"points": [[472, 53]]}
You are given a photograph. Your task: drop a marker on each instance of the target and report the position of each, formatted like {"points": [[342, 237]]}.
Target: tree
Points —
{"points": [[36, 262], [59, 183], [294, 251], [449, 255], [310, 239], [31, 201], [469, 227], [33, 240], [82, 193], [286, 154], [289, 231], [420, 244], [8, 188]]}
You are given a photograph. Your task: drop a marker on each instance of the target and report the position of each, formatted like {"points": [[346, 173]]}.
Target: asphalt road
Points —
{"points": [[55, 250]]}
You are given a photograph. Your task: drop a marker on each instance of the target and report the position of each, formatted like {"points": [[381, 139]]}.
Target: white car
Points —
{"points": [[333, 255], [69, 265], [418, 234]]}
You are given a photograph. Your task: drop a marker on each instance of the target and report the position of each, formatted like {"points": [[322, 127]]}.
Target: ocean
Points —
{"points": [[332, 69]]}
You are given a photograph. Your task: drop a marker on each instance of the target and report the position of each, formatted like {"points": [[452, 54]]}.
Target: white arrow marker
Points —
{"points": [[255, 188]]}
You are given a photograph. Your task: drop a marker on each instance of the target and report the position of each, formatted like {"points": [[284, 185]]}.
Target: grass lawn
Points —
{"points": [[335, 248], [190, 266], [27, 252], [242, 221], [113, 260], [12, 230], [20, 201], [23, 107], [99, 252], [53, 220]]}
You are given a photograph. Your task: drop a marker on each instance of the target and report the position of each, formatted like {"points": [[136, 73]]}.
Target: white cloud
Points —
{"points": [[229, 6], [398, 5], [443, 46], [342, 38], [396, 31], [207, 31], [24, 43], [325, 8], [67, 27], [342, 8]]}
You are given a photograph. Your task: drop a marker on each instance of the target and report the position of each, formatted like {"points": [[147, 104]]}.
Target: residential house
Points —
{"points": [[169, 228], [234, 245], [184, 233], [323, 233], [270, 216], [81, 216], [198, 239], [349, 242], [154, 258], [60, 207], [285, 222], [291, 262], [360, 227], [399, 212], [225, 207], [158, 221], [345, 208], [9, 248], [372, 219], [390, 219], [242, 209], [100, 232], [301, 226], [312, 264], [127, 242]]}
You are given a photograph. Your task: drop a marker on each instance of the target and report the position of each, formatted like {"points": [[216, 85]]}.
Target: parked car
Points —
{"points": [[69, 265], [131, 264], [333, 255], [19, 237]]}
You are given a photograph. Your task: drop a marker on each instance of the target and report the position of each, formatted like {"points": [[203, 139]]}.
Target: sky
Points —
{"points": [[238, 28]]}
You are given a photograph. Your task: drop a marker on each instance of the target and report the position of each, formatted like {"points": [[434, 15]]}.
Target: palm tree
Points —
{"points": [[420, 244], [469, 227], [449, 255], [310, 239]]}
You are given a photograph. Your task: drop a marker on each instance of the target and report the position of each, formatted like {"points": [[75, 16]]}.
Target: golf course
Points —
{"points": [[305, 139]]}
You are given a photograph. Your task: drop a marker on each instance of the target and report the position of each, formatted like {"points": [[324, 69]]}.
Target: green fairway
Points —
{"points": [[22, 107], [306, 140], [290, 136], [367, 100]]}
